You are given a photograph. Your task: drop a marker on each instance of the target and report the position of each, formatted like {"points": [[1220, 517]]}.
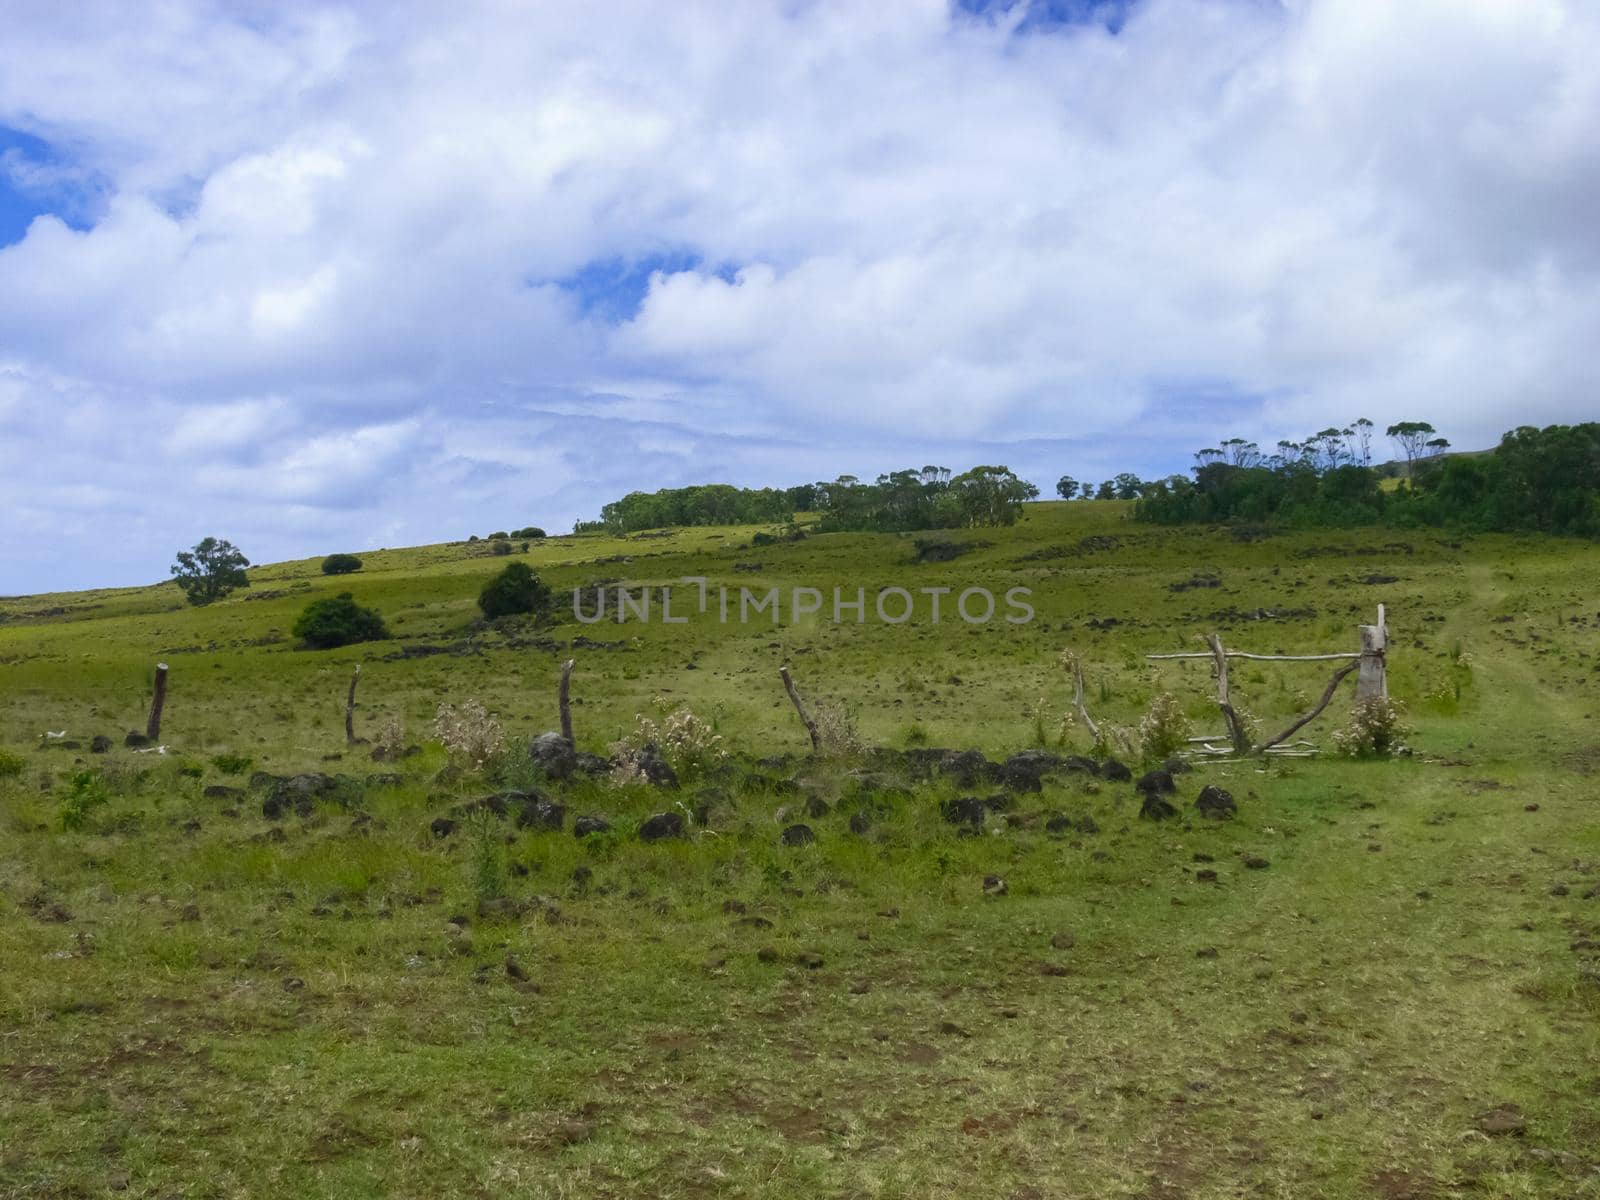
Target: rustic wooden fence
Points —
{"points": [[1372, 681]]}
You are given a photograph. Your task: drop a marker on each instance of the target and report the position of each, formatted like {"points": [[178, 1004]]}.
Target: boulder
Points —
{"points": [[1024, 771], [1215, 804], [1115, 770], [1156, 783], [588, 824], [1155, 808], [797, 835], [100, 745], [965, 810], [553, 755], [662, 825]]}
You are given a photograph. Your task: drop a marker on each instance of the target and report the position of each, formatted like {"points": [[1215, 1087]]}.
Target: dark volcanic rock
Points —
{"points": [[100, 745], [442, 827], [967, 767], [797, 835], [1155, 808], [1115, 770], [1156, 783], [591, 823], [661, 825], [135, 741], [966, 810], [219, 791], [860, 823], [1024, 771], [1215, 804], [298, 793], [1176, 766], [553, 755], [655, 768], [539, 813]]}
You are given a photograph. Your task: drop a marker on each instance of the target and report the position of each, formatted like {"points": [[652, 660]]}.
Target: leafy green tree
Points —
{"points": [[1412, 438], [515, 590], [1127, 486], [338, 621], [991, 495], [1066, 487], [210, 571]]}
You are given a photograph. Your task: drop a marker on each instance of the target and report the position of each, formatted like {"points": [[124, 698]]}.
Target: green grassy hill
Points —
{"points": [[1381, 978]]}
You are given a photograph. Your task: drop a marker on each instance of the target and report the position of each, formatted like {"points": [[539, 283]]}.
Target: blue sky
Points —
{"points": [[332, 276]]}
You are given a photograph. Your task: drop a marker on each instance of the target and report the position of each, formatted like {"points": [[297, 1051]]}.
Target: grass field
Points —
{"points": [[1389, 987]]}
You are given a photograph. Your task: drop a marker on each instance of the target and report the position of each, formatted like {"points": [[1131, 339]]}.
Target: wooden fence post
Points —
{"points": [[350, 709], [1373, 681], [564, 697], [1236, 729], [152, 729], [794, 696]]}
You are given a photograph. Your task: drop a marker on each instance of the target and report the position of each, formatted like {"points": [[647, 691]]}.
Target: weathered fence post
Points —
{"points": [[1236, 729], [564, 697], [350, 709], [152, 729], [1373, 681], [811, 726]]}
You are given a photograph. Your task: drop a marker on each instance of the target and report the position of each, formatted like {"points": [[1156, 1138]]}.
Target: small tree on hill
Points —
{"points": [[515, 590], [338, 621], [210, 571], [1066, 487], [340, 564]]}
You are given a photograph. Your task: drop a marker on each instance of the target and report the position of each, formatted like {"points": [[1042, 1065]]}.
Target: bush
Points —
{"points": [[1375, 729], [689, 743], [338, 621], [515, 590], [469, 732], [88, 793], [11, 765], [500, 548], [532, 532], [1165, 729], [232, 764], [499, 537], [341, 564]]}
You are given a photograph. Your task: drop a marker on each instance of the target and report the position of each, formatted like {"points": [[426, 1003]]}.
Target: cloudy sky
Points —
{"points": [[321, 277]]}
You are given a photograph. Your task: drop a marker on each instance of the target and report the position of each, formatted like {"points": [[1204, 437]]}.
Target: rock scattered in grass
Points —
{"points": [[662, 825], [994, 885], [1065, 940], [1215, 804], [1504, 1120], [1154, 808], [1206, 952], [798, 835], [1256, 863]]}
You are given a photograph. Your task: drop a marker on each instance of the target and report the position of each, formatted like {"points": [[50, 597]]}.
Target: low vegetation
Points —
{"points": [[460, 956]]}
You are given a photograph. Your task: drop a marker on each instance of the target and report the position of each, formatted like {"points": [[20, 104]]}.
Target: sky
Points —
{"points": [[330, 277]]}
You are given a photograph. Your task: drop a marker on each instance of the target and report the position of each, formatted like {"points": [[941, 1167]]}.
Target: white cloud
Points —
{"points": [[324, 261]]}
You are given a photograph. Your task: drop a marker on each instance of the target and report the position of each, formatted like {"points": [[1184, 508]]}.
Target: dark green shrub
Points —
{"points": [[515, 590], [532, 531], [341, 564], [11, 765], [232, 764], [338, 621], [500, 548], [499, 537]]}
